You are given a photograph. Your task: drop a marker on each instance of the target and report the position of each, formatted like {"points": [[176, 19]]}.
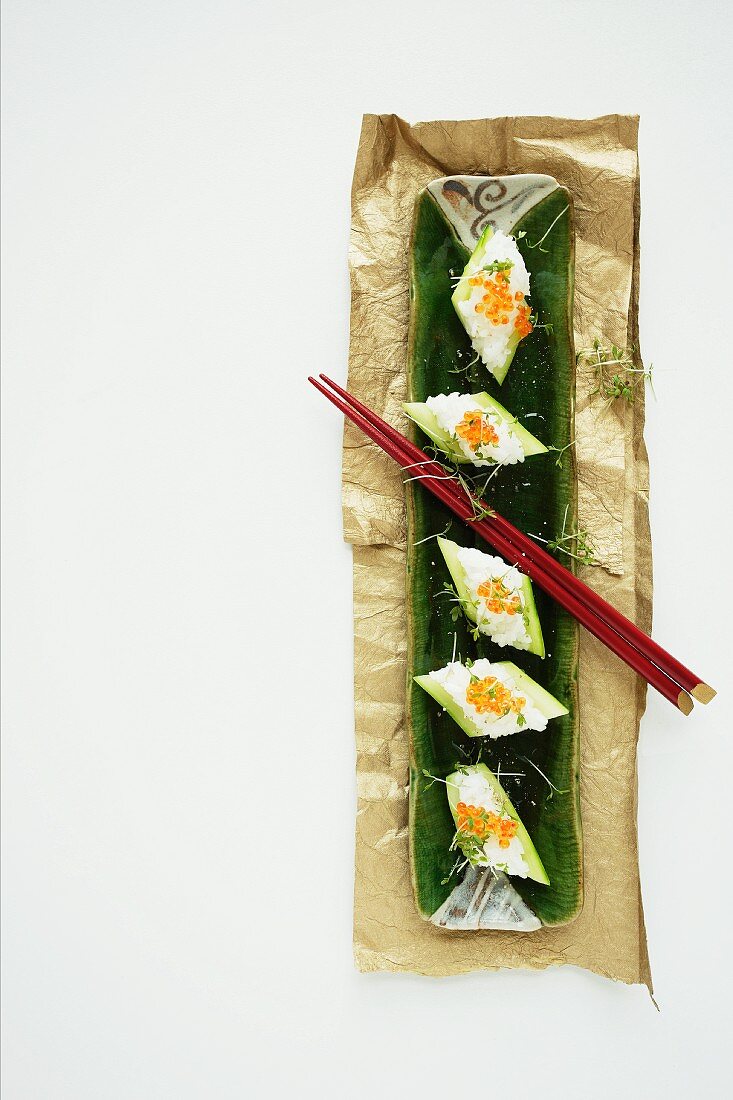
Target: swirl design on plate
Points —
{"points": [[473, 202], [487, 198]]}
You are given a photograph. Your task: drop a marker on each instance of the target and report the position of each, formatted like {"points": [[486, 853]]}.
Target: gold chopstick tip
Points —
{"points": [[704, 693], [684, 702]]}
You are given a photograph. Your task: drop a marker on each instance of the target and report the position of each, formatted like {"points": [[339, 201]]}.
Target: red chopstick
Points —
{"points": [[433, 478], [536, 562], [527, 548]]}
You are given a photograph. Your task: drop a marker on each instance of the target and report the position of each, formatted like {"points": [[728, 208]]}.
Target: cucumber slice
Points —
{"points": [[463, 292], [448, 703], [419, 412], [544, 702], [531, 857], [427, 420], [450, 551], [534, 627]]}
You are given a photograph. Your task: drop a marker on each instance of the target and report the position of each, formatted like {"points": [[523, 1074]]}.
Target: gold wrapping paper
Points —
{"points": [[597, 160]]}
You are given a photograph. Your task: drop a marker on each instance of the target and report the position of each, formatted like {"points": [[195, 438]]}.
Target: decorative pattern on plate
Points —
{"points": [[470, 203]]}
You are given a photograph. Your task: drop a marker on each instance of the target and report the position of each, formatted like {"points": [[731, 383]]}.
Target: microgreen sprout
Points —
{"points": [[471, 847], [553, 788], [461, 605], [534, 321], [508, 775], [481, 487], [473, 487], [538, 244], [561, 451], [616, 375], [584, 550], [498, 265], [427, 477], [437, 535], [414, 465], [466, 368], [457, 866], [480, 510], [489, 269]]}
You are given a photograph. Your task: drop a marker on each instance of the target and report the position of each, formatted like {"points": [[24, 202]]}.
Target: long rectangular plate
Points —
{"points": [[539, 770]]}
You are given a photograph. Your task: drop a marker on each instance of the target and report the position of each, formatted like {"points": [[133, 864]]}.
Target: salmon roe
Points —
{"points": [[496, 304], [477, 430], [490, 696], [498, 597], [522, 323], [481, 823]]}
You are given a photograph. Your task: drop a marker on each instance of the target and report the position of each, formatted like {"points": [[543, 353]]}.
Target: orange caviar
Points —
{"points": [[477, 430], [498, 303], [476, 821], [490, 696], [522, 323], [498, 597]]}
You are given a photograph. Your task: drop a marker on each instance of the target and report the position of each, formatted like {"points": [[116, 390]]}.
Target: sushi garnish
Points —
{"points": [[491, 699], [474, 429], [490, 696], [489, 831], [477, 430], [494, 596], [490, 298], [482, 823], [499, 599]]}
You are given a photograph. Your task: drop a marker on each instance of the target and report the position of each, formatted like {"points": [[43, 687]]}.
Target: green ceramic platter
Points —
{"points": [[534, 495]]}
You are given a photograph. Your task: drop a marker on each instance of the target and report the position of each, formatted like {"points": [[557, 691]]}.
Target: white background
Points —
{"points": [[177, 594]]}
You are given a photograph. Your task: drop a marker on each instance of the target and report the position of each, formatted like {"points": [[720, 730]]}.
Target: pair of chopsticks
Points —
{"points": [[658, 667]]}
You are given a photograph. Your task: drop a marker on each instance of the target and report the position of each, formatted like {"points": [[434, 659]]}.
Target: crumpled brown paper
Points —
{"points": [[597, 161]]}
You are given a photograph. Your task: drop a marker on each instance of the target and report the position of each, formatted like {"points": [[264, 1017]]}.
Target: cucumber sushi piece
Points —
{"points": [[502, 629], [455, 686], [475, 788], [507, 426], [490, 300]]}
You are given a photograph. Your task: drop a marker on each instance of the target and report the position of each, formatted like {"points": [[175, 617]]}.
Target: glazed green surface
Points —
{"points": [[539, 391]]}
